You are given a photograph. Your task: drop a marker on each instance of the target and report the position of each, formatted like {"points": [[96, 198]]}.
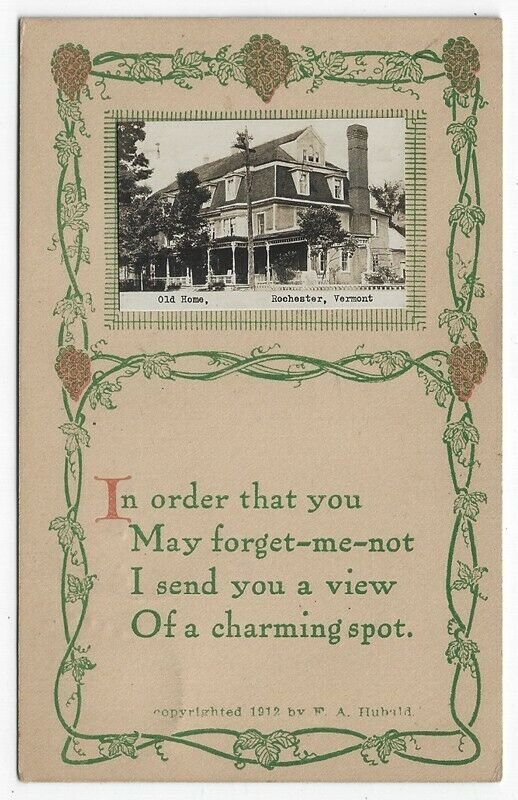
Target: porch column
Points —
{"points": [[208, 265], [308, 259], [167, 273], [369, 256], [268, 272], [233, 245]]}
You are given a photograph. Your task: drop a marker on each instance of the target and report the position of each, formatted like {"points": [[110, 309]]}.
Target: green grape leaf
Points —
{"points": [[78, 666], [300, 68], [463, 652], [77, 588], [186, 65], [402, 66], [377, 749], [122, 744], [466, 217], [101, 394], [387, 361], [457, 322], [66, 147], [66, 530], [459, 436], [468, 503], [226, 66], [69, 109], [158, 364], [283, 738], [462, 133], [468, 578], [146, 67]]}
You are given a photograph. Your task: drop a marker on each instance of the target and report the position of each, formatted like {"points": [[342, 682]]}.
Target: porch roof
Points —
{"points": [[289, 237]]}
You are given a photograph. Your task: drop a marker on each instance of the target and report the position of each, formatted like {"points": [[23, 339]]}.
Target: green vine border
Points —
{"points": [[92, 377]]}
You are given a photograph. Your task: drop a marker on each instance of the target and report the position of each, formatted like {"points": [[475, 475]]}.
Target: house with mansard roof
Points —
{"points": [[289, 175]]}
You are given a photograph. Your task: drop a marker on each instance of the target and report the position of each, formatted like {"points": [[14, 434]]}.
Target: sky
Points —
{"points": [[173, 147]]}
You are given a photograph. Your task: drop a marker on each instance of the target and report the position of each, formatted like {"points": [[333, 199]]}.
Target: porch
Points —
{"points": [[285, 260]]}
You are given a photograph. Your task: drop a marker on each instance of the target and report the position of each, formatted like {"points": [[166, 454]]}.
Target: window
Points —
{"points": [[207, 203], [319, 262], [346, 260], [260, 223], [322, 261], [304, 183], [212, 230], [311, 155], [231, 187], [338, 188], [228, 226], [374, 226]]}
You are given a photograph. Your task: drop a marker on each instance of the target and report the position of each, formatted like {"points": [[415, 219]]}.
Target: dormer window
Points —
{"points": [[231, 187], [336, 186], [304, 183], [208, 202]]}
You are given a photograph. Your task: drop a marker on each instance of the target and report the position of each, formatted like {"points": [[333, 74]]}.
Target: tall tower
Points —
{"points": [[359, 195]]}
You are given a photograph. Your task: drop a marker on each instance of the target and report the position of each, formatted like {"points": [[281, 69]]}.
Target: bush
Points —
{"points": [[384, 276], [282, 266]]}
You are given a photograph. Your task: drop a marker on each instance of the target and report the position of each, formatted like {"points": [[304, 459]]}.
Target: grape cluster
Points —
{"points": [[461, 63], [70, 67], [74, 368], [466, 367], [266, 64]]}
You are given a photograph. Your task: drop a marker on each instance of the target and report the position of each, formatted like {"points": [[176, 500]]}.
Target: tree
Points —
{"points": [[322, 229], [391, 199], [140, 216], [185, 226], [139, 225], [133, 167]]}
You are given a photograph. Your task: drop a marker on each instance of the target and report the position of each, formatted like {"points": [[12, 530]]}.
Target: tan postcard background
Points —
{"points": [[382, 441]]}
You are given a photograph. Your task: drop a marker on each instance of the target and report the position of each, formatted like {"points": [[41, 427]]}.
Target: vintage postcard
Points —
{"points": [[260, 400]]}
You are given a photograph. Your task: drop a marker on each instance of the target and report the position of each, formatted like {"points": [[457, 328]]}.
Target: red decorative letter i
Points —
{"points": [[111, 484]]}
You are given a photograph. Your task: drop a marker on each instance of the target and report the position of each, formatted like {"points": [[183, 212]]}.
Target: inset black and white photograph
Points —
{"points": [[261, 214]]}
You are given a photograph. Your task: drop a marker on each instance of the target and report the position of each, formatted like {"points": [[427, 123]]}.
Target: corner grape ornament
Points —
{"points": [[94, 379], [461, 63], [70, 68]]}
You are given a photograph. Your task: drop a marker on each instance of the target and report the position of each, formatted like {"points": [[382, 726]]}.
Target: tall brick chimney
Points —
{"points": [[359, 179]]}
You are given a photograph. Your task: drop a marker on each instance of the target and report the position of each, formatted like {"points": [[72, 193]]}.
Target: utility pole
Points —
{"points": [[243, 143]]}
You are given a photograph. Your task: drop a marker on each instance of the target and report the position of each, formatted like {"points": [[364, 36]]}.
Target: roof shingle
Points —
{"points": [[264, 154]]}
